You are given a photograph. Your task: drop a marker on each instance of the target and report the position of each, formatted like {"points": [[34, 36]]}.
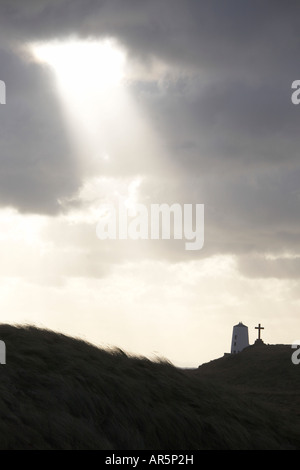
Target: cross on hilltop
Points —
{"points": [[259, 328]]}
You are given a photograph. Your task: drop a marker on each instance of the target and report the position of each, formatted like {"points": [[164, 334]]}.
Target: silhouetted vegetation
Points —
{"points": [[58, 392]]}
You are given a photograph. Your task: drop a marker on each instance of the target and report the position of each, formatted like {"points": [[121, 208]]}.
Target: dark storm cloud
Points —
{"points": [[223, 111], [224, 124], [216, 34]]}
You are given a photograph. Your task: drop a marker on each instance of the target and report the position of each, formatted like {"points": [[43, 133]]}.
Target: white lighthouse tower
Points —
{"points": [[240, 338]]}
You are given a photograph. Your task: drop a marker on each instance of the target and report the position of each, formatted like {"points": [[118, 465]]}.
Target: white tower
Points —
{"points": [[240, 338]]}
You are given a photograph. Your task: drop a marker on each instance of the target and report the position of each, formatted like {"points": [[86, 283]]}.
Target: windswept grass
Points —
{"points": [[57, 392]]}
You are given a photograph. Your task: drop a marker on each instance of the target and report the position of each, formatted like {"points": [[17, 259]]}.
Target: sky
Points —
{"points": [[150, 102]]}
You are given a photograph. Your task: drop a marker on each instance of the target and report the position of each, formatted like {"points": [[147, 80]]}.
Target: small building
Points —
{"points": [[240, 338]]}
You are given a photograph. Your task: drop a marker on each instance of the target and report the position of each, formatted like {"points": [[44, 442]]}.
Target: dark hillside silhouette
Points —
{"points": [[57, 392], [260, 371]]}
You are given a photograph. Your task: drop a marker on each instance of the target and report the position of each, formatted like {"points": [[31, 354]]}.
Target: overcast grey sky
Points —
{"points": [[206, 117]]}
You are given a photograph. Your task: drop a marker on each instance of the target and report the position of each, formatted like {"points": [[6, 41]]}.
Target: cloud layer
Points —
{"points": [[216, 92]]}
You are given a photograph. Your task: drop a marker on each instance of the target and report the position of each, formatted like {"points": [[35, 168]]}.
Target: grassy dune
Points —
{"points": [[57, 392]]}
